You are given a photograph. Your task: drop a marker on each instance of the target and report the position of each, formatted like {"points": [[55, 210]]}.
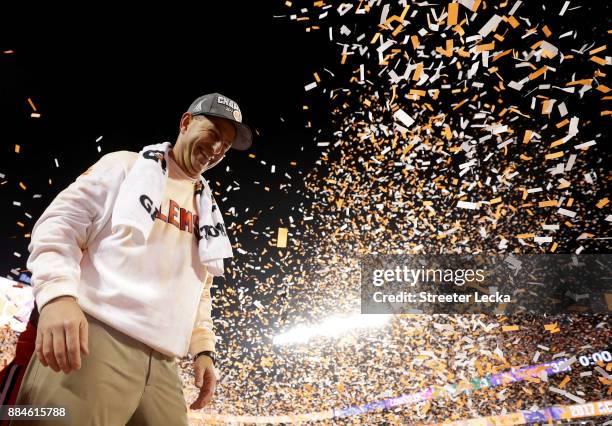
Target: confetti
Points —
{"points": [[456, 127], [282, 237]]}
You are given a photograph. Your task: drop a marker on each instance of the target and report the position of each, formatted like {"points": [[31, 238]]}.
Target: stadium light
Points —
{"points": [[331, 327]]}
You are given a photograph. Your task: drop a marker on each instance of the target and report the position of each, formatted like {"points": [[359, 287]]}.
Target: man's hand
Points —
{"points": [[61, 335], [205, 379]]}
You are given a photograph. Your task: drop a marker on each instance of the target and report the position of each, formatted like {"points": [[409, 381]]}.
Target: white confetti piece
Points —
{"points": [[514, 8], [567, 363], [603, 373], [344, 30], [401, 115], [542, 240], [344, 8], [310, 86], [566, 212], [585, 144], [491, 25], [468, 205]]}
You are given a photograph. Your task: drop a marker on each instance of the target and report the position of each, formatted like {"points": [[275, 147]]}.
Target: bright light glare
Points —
{"points": [[331, 327]]}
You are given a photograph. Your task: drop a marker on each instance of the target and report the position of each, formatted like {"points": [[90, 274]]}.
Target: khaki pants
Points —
{"points": [[122, 382]]}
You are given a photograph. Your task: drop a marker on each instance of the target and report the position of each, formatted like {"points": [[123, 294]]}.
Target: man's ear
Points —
{"points": [[185, 120]]}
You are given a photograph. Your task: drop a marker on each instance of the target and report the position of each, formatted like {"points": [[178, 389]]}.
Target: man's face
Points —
{"points": [[204, 141]]}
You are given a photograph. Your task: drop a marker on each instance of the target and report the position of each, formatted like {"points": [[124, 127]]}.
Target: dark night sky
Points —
{"points": [[128, 78]]}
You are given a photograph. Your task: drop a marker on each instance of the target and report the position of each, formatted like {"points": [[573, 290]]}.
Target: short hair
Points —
{"points": [[198, 116]]}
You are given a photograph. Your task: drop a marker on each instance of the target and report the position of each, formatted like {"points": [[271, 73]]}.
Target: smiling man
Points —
{"points": [[122, 263]]}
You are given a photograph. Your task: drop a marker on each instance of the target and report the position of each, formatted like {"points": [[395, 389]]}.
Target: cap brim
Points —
{"points": [[244, 137]]}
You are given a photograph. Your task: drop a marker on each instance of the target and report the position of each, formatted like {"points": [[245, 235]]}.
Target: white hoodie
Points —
{"points": [[157, 292]]}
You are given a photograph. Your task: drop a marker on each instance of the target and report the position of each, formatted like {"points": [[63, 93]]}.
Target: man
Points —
{"points": [[122, 262]]}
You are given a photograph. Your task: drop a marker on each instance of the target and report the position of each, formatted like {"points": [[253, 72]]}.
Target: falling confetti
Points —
{"points": [[448, 128]]}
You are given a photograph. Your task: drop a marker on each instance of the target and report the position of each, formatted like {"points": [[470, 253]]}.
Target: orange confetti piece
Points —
{"points": [[525, 236], [564, 382], [459, 104], [554, 155], [510, 327], [22, 186], [557, 143], [485, 47], [282, 238], [598, 60], [512, 21], [397, 30], [546, 31], [17, 148], [417, 72], [501, 55], [32, 104], [602, 203], [598, 49], [415, 41], [603, 88], [453, 11], [584, 82], [538, 73]]}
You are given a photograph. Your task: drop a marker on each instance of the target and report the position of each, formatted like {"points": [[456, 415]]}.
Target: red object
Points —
{"points": [[12, 375]]}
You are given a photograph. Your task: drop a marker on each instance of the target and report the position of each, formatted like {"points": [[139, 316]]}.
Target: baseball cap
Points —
{"points": [[217, 105]]}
